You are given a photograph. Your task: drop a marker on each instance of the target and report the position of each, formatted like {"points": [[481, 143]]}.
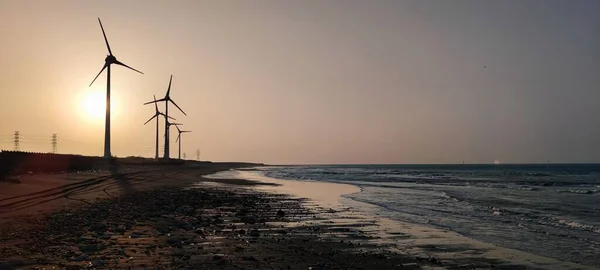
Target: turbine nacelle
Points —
{"points": [[180, 132], [110, 59]]}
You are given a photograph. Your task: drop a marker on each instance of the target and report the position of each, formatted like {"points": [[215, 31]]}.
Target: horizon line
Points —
{"points": [[337, 164], [421, 164]]}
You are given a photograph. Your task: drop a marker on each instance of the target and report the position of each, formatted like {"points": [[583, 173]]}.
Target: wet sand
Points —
{"points": [[177, 218], [448, 249]]}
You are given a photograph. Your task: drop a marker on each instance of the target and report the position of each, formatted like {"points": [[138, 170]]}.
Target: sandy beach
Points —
{"points": [[177, 217]]}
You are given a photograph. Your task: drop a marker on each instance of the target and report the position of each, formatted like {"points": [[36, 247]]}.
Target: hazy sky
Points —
{"points": [[310, 81]]}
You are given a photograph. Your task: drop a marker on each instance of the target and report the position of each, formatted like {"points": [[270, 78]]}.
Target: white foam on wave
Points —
{"points": [[578, 191], [577, 225]]}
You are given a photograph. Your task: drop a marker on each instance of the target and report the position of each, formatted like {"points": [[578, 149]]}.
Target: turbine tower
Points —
{"points": [[110, 59], [156, 114], [167, 99], [179, 138], [168, 125]]}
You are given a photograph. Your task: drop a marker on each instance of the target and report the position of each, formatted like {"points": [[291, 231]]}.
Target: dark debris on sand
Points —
{"points": [[177, 228]]}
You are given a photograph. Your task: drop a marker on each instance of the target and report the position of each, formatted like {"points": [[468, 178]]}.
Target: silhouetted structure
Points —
{"points": [[156, 114], [54, 141], [17, 141], [198, 154], [179, 139], [110, 59], [168, 125], [167, 99]]}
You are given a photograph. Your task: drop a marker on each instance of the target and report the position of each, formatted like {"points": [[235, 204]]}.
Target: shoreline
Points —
{"points": [[449, 247]]}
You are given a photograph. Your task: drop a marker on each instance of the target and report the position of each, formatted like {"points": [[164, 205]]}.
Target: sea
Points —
{"points": [[551, 210]]}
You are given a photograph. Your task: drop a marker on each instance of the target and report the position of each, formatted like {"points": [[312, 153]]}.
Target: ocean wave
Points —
{"points": [[407, 216], [528, 188], [577, 225], [543, 219], [531, 181], [578, 191], [450, 197]]}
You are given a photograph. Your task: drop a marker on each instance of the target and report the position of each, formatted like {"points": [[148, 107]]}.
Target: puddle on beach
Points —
{"points": [[209, 184]]}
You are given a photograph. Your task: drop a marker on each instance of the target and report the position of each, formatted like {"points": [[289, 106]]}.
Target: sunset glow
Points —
{"points": [[311, 81], [93, 104]]}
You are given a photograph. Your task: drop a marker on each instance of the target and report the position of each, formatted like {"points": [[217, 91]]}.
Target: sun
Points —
{"points": [[93, 104]]}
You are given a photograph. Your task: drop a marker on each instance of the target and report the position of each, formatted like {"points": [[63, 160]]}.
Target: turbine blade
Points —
{"points": [[184, 131], [177, 106], [150, 119], [105, 39], [161, 113], [155, 104], [160, 100], [169, 89], [178, 136], [121, 64], [103, 68], [178, 130]]}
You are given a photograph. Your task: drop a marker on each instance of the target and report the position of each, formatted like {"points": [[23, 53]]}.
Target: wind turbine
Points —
{"points": [[110, 59], [168, 125], [157, 113], [167, 99], [179, 138]]}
